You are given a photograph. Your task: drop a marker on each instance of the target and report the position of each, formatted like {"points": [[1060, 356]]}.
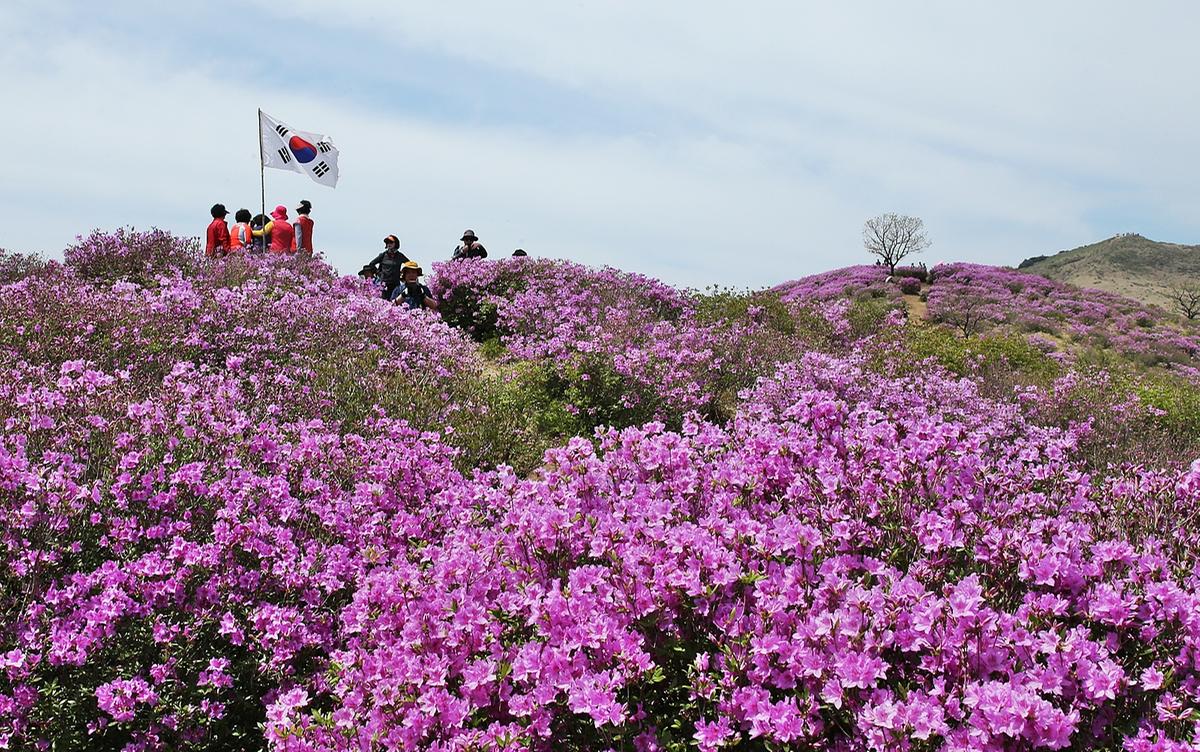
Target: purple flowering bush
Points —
{"points": [[613, 348], [989, 296], [132, 256], [538, 304], [247, 505], [822, 572], [17, 266], [852, 281]]}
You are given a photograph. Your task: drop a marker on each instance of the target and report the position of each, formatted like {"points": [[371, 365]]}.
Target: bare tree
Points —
{"points": [[891, 237], [962, 311], [1186, 299]]}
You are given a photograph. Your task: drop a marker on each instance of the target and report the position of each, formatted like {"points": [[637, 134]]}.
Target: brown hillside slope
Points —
{"points": [[1128, 265]]}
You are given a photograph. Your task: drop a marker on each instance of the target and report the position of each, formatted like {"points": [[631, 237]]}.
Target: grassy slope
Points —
{"points": [[1128, 265]]}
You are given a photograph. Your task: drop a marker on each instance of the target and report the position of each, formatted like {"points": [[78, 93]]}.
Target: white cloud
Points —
{"points": [[764, 134]]}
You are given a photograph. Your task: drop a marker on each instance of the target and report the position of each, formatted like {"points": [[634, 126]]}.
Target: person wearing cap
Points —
{"points": [[279, 231], [411, 292], [371, 274], [217, 240], [258, 233], [302, 229], [240, 235], [387, 265], [470, 247]]}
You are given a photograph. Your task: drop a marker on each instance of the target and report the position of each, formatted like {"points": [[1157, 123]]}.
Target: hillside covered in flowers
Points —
{"points": [[247, 504]]}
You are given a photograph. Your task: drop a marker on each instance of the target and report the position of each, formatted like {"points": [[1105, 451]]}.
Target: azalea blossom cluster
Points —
{"points": [[851, 281], [591, 323], [1030, 303], [823, 572], [17, 266], [234, 515], [131, 255]]}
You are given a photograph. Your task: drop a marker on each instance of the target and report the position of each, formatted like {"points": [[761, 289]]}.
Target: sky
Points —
{"points": [[740, 144]]}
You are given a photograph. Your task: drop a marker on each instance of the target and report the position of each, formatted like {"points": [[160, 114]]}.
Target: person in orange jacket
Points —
{"points": [[302, 228], [217, 240], [241, 235]]}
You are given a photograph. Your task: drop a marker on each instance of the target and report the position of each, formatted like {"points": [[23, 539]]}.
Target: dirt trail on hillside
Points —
{"points": [[918, 310]]}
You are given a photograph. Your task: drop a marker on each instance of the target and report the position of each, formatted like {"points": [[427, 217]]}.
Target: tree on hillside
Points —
{"points": [[891, 237], [1186, 299], [962, 311]]}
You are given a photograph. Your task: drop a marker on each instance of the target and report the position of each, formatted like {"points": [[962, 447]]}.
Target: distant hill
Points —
{"points": [[1128, 265]]}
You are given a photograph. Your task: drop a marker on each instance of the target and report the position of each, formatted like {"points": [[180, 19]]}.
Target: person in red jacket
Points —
{"points": [[302, 229], [280, 232], [217, 240]]}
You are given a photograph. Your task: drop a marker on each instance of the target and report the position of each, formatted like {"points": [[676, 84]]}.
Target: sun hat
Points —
{"points": [[410, 265], [280, 212], [469, 235]]}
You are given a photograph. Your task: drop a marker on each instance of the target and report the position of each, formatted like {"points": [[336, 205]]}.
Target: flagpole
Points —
{"points": [[262, 175]]}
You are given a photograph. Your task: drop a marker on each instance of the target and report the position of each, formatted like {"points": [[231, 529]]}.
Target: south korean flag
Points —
{"points": [[308, 153]]}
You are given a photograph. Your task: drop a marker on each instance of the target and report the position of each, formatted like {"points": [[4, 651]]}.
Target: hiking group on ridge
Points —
{"points": [[259, 234], [398, 277], [395, 274]]}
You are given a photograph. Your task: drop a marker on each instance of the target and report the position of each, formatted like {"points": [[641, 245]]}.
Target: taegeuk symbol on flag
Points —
{"points": [[299, 151]]}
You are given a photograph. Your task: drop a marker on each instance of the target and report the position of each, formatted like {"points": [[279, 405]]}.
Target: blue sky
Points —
{"points": [[700, 142]]}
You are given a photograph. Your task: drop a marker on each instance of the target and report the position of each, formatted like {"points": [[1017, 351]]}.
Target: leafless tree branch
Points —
{"points": [[1186, 299], [892, 237]]}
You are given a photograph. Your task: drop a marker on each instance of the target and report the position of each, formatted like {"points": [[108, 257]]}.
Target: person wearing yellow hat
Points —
{"points": [[411, 292]]}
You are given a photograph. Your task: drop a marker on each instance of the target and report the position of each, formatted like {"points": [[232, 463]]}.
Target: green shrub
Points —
{"points": [[725, 304], [867, 315], [492, 349], [511, 418], [469, 310], [589, 386], [1000, 359], [812, 329], [1179, 401]]}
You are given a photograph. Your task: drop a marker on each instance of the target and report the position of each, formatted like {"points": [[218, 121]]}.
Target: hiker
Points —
{"points": [[410, 291], [470, 247], [520, 252], [241, 236], [370, 274], [279, 231], [217, 241], [387, 265], [302, 229], [258, 227]]}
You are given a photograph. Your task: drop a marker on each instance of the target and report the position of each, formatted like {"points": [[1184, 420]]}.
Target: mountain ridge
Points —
{"points": [[1128, 264]]}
